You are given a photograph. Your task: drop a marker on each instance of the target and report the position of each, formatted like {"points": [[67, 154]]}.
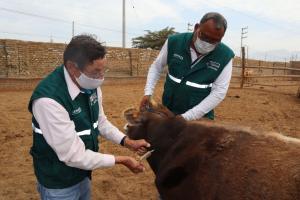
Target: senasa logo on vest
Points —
{"points": [[213, 65], [76, 111], [93, 99], [178, 56]]}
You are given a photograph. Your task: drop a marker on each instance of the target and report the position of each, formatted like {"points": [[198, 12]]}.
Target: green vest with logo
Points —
{"points": [[83, 111], [187, 83]]}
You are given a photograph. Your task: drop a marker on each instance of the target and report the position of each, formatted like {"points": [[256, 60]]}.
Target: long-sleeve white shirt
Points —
{"points": [[59, 131], [218, 90]]}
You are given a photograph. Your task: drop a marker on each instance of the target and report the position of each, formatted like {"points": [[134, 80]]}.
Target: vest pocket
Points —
{"points": [[52, 170], [53, 173]]}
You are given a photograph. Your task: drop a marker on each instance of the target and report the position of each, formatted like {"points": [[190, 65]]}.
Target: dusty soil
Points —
{"points": [[260, 109]]}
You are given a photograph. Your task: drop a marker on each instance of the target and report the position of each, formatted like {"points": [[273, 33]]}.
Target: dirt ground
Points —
{"points": [[277, 110]]}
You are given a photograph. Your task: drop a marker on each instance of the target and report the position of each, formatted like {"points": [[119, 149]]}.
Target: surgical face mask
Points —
{"points": [[204, 47], [88, 83]]}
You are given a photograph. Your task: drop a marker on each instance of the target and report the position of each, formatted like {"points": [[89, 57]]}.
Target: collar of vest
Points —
{"points": [[86, 91], [189, 41]]}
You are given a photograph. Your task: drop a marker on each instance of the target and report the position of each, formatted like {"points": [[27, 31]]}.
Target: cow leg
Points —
{"points": [[173, 177]]}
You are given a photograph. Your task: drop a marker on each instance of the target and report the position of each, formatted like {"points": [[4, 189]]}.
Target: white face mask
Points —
{"points": [[203, 47], [88, 83]]}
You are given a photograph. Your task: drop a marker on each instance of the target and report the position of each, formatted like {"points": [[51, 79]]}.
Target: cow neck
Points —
{"points": [[164, 134], [164, 129]]}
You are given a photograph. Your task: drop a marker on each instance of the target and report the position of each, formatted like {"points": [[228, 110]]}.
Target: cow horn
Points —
{"points": [[130, 111], [153, 104], [131, 115]]}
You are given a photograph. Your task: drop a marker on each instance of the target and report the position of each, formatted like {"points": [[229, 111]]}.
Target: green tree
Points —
{"points": [[153, 40]]}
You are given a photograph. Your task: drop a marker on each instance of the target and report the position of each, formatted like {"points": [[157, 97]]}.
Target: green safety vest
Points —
{"points": [[187, 83], [83, 111]]}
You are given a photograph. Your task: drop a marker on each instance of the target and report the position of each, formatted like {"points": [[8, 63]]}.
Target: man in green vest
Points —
{"points": [[199, 69], [67, 118]]}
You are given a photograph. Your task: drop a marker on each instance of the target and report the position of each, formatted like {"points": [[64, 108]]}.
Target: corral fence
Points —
{"points": [[8, 84], [250, 74], [21, 61]]}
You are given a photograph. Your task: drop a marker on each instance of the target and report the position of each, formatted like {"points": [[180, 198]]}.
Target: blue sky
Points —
{"points": [[273, 26]]}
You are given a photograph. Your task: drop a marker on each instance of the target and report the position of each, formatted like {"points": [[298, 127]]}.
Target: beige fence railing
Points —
{"points": [[254, 76]]}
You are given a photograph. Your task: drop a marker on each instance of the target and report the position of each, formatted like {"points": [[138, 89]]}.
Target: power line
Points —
{"points": [[62, 20], [51, 36], [134, 9], [102, 28], [255, 18], [30, 34], [34, 15]]}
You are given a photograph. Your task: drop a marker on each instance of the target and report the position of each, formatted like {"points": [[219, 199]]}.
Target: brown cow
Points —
{"points": [[203, 160], [247, 75]]}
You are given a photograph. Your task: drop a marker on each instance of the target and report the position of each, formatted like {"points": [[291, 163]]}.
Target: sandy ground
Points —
{"points": [[260, 109]]}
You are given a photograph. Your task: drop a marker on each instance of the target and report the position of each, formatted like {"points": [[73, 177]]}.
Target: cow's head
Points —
{"points": [[157, 125], [138, 121]]}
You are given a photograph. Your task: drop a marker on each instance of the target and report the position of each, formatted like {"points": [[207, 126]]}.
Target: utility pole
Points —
{"points": [[285, 66], [188, 27], [243, 36], [72, 28], [247, 51], [123, 26], [243, 66]]}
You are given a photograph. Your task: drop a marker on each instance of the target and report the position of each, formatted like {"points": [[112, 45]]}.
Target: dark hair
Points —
{"points": [[219, 20], [83, 50]]}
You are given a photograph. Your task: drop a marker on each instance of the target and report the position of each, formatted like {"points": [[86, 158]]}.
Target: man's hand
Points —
{"points": [[145, 102], [139, 146], [130, 163]]}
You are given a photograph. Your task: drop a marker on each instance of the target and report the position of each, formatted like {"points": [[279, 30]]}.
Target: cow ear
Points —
{"points": [[132, 116]]}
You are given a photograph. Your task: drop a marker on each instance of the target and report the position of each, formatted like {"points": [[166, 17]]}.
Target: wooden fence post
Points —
{"points": [[243, 67], [139, 61], [284, 71], [7, 67], [130, 62]]}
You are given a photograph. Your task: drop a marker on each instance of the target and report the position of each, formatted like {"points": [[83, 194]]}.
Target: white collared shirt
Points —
{"points": [[59, 131], [218, 90]]}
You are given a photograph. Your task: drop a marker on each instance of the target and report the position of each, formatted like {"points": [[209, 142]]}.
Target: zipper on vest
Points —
{"points": [[93, 120], [197, 61]]}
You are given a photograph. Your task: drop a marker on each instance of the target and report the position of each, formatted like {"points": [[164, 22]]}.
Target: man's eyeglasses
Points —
{"points": [[206, 38], [97, 74]]}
